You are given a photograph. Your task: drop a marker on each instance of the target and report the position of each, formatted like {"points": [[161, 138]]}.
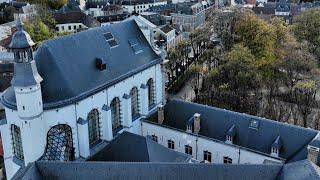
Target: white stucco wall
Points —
{"points": [[34, 131], [201, 144], [142, 7], [65, 27]]}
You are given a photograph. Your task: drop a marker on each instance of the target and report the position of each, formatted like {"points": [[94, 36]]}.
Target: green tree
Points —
{"points": [[39, 31], [305, 96], [297, 64], [306, 27], [258, 36], [8, 14], [53, 4], [234, 84]]}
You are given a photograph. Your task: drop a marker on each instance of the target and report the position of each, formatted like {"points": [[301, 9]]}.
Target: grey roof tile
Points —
{"points": [[300, 170], [70, 60], [128, 147], [148, 171], [216, 122]]}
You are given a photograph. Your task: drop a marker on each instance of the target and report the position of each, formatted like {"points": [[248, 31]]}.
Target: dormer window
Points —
{"points": [[274, 151], [189, 128], [231, 134], [154, 138], [275, 147], [229, 139]]}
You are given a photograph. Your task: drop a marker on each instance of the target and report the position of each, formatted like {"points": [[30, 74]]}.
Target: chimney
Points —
{"points": [[313, 154], [196, 123], [160, 113]]}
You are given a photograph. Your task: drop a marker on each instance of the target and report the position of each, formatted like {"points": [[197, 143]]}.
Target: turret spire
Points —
{"points": [[19, 24]]}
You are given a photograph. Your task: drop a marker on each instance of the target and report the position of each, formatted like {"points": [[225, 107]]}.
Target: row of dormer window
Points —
{"points": [[207, 155]]}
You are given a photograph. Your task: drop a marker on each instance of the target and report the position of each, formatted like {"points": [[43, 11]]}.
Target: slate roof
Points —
{"points": [[75, 68], [128, 147], [94, 3], [167, 28], [302, 170], [232, 131], [268, 8], [71, 6], [75, 17], [20, 39], [282, 7], [216, 122], [146, 171], [277, 143], [181, 8], [112, 18]]}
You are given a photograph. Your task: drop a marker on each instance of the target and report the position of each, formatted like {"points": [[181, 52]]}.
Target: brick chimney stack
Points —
{"points": [[160, 113], [196, 123]]}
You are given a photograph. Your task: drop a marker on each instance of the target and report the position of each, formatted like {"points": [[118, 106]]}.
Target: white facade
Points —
{"points": [[139, 8], [95, 11], [170, 38], [199, 144], [279, 13], [34, 130], [70, 28], [29, 12]]}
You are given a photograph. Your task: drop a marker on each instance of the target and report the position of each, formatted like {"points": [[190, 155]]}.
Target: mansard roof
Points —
{"points": [[68, 64], [128, 147], [303, 170], [253, 132], [232, 131], [147, 171], [277, 143]]}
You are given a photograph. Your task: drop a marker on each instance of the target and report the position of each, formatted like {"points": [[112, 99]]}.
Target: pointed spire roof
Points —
{"points": [[20, 39], [232, 131], [277, 143]]}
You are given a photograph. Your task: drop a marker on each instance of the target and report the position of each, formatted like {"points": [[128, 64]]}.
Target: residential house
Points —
{"points": [[139, 6], [167, 34], [74, 21]]}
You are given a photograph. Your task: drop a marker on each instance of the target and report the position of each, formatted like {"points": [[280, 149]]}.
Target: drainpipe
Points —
{"points": [[239, 157], [197, 147]]}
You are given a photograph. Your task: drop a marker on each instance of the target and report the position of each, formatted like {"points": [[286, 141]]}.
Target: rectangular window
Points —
{"points": [[207, 156], [227, 160], [17, 142], [69, 27], [74, 27], [170, 144], [188, 149], [154, 138]]}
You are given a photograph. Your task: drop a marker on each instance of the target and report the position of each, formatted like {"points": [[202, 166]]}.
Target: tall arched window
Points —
{"points": [[150, 85], [17, 142], [134, 103], [59, 144], [115, 113], [93, 126]]}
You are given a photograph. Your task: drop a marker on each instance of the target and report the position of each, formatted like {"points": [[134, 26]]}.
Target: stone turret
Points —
{"points": [[26, 80]]}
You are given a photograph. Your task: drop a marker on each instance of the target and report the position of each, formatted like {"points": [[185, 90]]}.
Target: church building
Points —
{"points": [[98, 95]]}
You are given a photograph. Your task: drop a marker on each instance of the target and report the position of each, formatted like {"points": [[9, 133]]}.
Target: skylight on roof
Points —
{"points": [[135, 45], [108, 36], [110, 39], [254, 124]]}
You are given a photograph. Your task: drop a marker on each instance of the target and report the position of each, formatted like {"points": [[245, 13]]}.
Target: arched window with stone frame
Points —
{"points": [[59, 145], [115, 113], [151, 98], [134, 103], [17, 142], [93, 126]]}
